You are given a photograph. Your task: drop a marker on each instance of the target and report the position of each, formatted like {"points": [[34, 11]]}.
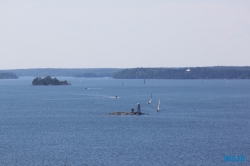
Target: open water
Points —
{"points": [[199, 123]]}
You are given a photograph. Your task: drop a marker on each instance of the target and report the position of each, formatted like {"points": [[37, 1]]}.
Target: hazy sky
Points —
{"points": [[120, 34]]}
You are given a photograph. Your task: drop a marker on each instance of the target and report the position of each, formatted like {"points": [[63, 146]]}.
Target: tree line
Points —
{"points": [[185, 73], [74, 72], [8, 76]]}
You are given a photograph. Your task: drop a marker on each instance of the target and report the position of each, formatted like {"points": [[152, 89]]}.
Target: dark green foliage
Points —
{"points": [[181, 73], [48, 81], [8, 76]]}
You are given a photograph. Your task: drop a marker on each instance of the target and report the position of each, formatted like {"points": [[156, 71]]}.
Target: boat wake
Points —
{"points": [[114, 97], [93, 88]]}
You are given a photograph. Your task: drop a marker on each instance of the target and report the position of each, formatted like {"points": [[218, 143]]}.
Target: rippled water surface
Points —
{"points": [[199, 123]]}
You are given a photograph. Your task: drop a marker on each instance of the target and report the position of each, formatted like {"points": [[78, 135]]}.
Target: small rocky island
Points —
{"points": [[130, 113], [127, 113], [48, 81]]}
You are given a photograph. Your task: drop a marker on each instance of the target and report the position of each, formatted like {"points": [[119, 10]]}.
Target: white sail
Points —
{"points": [[150, 100], [158, 107]]}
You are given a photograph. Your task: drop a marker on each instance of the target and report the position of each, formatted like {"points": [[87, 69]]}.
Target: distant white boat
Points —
{"points": [[158, 107], [150, 100], [188, 70]]}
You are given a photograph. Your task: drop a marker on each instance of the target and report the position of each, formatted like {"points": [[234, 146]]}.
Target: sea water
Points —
{"points": [[200, 122]]}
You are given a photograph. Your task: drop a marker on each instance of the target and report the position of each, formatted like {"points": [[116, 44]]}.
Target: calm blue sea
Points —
{"points": [[199, 123]]}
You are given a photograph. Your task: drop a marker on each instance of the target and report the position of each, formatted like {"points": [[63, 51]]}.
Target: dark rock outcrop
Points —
{"points": [[127, 113]]}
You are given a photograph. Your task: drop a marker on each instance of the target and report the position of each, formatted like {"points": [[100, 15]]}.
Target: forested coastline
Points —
{"points": [[218, 72], [64, 72], [8, 76], [185, 73]]}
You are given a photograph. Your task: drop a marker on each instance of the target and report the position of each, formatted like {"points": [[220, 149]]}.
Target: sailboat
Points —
{"points": [[158, 107], [149, 102]]}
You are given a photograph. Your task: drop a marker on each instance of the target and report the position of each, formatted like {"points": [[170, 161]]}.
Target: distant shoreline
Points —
{"points": [[216, 72], [185, 73], [8, 75]]}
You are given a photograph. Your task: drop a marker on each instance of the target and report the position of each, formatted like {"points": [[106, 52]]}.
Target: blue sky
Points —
{"points": [[132, 33]]}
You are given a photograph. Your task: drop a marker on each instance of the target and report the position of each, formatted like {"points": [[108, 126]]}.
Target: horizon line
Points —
{"points": [[117, 67]]}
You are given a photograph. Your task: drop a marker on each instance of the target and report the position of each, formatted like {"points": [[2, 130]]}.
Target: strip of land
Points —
{"points": [[185, 73], [8, 76], [217, 72]]}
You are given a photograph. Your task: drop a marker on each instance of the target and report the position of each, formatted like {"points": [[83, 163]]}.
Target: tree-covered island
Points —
{"points": [[8, 76], [48, 81]]}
